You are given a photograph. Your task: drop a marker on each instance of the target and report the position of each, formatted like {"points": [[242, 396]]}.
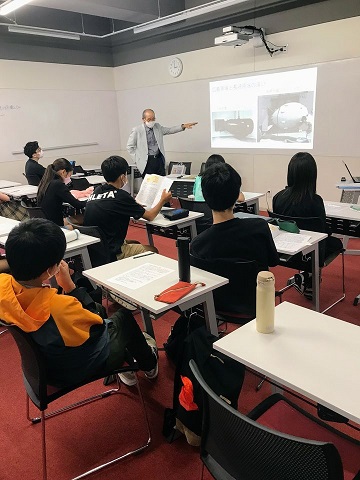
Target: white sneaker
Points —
{"points": [[152, 374], [122, 302], [129, 378]]}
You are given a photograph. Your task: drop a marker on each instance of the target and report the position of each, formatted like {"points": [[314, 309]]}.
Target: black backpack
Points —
{"points": [[224, 375]]}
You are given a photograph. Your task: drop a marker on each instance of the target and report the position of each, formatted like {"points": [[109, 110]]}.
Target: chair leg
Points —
{"points": [[99, 396], [343, 285], [43, 439], [132, 452]]}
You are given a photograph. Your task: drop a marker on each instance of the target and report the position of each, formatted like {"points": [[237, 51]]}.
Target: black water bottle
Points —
{"points": [[183, 244]]}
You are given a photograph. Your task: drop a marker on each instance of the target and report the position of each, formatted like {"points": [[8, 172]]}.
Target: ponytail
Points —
{"points": [[51, 174], [48, 176]]}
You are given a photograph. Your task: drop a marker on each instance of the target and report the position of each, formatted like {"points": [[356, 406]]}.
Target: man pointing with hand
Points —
{"points": [[146, 144]]}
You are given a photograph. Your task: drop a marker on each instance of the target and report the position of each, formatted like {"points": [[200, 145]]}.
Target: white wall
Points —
{"points": [[148, 85], [56, 87]]}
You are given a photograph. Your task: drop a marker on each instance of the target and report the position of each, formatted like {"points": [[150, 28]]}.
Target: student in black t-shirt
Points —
{"points": [[110, 208], [53, 192], [299, 199], [230, 237], [33, 170]]}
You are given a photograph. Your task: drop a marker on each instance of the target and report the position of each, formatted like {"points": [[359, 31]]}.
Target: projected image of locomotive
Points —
{"points": [[238, 127], [286, 118]]}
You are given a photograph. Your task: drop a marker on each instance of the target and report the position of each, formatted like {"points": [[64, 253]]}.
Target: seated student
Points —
{"points": [[299, 199], [212, 160], [76, 342], [33, 170], [53, 191], [230, 237], [110, 209]]}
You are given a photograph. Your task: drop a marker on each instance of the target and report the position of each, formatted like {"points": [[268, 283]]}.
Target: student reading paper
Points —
{"points": [[110, 208]]}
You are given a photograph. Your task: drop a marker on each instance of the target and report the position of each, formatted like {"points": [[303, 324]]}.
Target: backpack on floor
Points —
{"points": [[224, 376]]}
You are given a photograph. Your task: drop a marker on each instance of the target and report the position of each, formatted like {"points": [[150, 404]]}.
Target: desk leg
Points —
{"points": [[210, 315], [85, 257], [256, 207], [316, 277], [193, 231], [149, 235], [147, 321]]}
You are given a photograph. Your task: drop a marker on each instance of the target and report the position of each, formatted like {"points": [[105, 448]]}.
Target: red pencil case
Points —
{"points": [[177, 291]]}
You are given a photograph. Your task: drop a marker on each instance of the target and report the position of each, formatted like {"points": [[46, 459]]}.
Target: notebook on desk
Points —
{"points": [[354, 179]]}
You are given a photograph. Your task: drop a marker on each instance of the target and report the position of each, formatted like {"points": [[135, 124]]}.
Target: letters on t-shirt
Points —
{"points": [[98, 196]]}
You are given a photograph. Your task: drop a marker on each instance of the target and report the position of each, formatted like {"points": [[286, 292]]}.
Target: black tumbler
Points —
{"points": [[183, 258]]}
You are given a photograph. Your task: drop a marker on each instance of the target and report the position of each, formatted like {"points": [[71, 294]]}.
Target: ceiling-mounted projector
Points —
{"points": [[232, 39], [235, 36]]}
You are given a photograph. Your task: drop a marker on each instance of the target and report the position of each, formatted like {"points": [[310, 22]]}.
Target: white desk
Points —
{"points": [[21, 190], [252, 198], [170, 228], [8, 183], [143, 297], [311, 353], [342, 211], [94, 179], [313, 249], [77, 247], [6, 225]]}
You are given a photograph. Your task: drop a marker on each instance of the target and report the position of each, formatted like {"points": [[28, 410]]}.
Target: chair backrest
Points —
{"points": [[33, 366], [99, 252], [235, 447], [202, 167], [201, 223], [186, 164], [79, 183], [239, 295], [32, 179], [33, 211]]}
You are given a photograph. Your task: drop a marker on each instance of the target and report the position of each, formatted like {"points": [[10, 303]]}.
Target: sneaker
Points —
{"points": [[300, 281], [122, 302], [129, 378], [152, 374]]}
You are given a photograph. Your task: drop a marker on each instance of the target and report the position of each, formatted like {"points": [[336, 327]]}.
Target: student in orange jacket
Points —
{"points": [[77, 343]]}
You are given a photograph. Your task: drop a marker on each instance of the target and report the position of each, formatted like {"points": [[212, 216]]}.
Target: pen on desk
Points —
{"points": [[144, 254]]}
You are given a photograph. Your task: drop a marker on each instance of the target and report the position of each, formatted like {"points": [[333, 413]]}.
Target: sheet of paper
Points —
{"points": [[290, 242], [140, 276], [151, 189], [5, 228]]}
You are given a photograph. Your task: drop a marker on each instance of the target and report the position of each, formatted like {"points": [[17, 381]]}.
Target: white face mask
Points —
{"points": [[67, 180], [41, 154], [150, 124]]}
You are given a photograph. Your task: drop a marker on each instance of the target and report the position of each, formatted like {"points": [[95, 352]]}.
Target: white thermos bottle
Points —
{"points": [[265, 302]]}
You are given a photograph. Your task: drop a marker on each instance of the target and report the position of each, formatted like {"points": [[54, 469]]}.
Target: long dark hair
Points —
{"points": [[301, 177], [51, 174]]}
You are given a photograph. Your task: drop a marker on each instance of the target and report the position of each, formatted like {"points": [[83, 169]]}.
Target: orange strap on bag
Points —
{"points": [[177, 291]]}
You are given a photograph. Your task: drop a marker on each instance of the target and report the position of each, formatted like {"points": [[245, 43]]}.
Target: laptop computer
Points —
{"points": [[354, 179]]}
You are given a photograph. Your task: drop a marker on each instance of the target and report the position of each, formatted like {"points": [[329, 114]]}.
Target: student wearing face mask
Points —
{"points": [[53, 192], [146, 144], [110, 208], [69, 329], [33, 170]]}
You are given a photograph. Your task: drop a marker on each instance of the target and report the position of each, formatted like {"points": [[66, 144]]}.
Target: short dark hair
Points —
{"points": [[113, 167], [301, 177], [220, 186], [213, 160], [34, 246], [30, 148]]}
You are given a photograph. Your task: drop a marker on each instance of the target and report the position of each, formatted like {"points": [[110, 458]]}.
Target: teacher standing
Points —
{"points": [[146, 144]]}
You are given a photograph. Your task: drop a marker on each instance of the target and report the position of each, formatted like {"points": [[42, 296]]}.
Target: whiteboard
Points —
{"points": [[56, 118], [336, 120]]}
